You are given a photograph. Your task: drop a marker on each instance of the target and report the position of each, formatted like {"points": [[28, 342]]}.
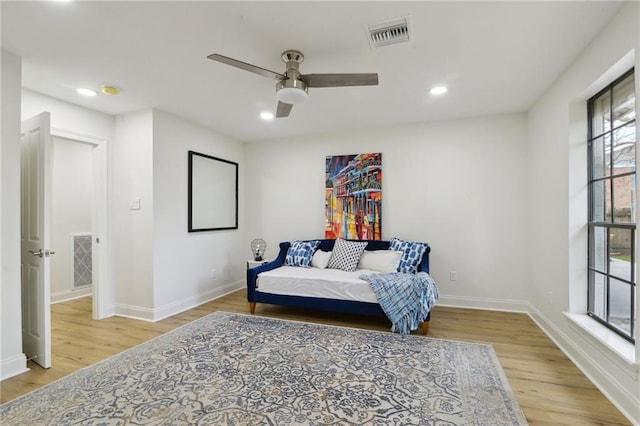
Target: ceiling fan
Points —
{"points": [[292, 86]]}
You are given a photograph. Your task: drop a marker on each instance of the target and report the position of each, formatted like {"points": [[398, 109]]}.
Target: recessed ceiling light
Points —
{"points": [[438, 90], [266, 115], [86, 92]]}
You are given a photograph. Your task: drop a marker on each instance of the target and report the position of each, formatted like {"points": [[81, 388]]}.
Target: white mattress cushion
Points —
{"points": [[315, 282]]}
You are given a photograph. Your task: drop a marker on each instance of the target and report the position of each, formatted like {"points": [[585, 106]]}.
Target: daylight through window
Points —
{"points": [[612, 206]]}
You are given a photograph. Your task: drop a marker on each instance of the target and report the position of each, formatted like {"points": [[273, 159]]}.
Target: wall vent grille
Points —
{"points": [[82, 270], [390, 32]]}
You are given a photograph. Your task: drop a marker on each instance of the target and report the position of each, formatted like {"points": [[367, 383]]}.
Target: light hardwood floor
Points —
{"points": [[549, 388]]}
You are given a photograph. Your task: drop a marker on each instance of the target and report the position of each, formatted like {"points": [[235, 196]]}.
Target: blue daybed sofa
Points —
{"points": [[335, 305]]}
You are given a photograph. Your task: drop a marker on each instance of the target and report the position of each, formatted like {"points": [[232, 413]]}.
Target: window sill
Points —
{"points": [[624, 349]]}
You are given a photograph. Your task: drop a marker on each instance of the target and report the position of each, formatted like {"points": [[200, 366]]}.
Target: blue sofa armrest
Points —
{"points": [[424, 264], [252, 274]]}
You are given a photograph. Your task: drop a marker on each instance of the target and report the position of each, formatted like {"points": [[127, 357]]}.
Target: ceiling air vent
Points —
{"points": [[389, 32]]}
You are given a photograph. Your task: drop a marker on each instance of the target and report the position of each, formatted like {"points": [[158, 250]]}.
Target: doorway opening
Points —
{"points": [[71, 227], [92, 152]]}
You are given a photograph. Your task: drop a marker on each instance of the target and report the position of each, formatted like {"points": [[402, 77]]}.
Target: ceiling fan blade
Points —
{"points": [[283, 110], [340, 80], [247, 67]]}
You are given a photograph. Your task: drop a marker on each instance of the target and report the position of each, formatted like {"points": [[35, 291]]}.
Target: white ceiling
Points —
{"points": [[496, 57]]}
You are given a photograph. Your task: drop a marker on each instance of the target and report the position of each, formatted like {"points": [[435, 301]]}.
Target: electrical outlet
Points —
{"points": [[453, 276], [214, 274], [550, 299]]}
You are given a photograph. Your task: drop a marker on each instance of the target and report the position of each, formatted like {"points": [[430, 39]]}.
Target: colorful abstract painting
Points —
{"points": [[353, 196]]}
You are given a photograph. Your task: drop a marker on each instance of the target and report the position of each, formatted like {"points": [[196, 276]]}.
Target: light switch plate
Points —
{"points": [[134, 204]]}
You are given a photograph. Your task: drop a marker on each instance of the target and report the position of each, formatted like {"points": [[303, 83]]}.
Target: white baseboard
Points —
{"points": [[506, 305], [66, 295], [134, 312], [152, 315], [591, 361], [13, 366], [191, 302]]}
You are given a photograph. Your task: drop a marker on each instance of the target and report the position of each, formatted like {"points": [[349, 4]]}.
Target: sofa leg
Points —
{"points": [[425, 328], [252, 307]]}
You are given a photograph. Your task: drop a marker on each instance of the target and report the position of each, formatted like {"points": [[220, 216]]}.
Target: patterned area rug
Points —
{"points": [[230, 369]]}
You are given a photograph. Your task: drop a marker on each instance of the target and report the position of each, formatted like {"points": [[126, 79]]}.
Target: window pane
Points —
{"points": [[624, 202], [634, 329], [600, 201], [624, 101], [607, 202], [599, 249], [612, 202], [620, 305], [601, 114], [598, 296], [600, 158], [620, 242], [624, 149]]}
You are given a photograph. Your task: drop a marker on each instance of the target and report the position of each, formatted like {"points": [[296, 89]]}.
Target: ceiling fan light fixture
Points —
{"points": [[291, 90], [292, 95], [292, 86]]}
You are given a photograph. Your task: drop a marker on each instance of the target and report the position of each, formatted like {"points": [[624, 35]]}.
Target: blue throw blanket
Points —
{"points": [[405, 298]]}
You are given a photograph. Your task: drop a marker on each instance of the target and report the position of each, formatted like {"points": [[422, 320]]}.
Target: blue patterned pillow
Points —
{"points": [[346, 254], [300, 253], [411, 254]]}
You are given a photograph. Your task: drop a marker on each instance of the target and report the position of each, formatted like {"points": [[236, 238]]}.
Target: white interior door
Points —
{"points": [[35, 235]]}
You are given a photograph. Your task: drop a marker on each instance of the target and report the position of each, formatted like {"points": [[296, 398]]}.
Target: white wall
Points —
{"points": [[557, 209], [133, 227], [190, 268], [133, 288], [160, 268], [458, 185], [12, 359], [68, 117], [72, 186]]}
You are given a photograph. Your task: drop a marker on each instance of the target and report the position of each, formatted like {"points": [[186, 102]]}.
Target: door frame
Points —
{"points": [[99, 219]]}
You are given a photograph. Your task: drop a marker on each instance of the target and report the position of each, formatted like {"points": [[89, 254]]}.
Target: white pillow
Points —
{"points": [[320, 259], [380, 260]]}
